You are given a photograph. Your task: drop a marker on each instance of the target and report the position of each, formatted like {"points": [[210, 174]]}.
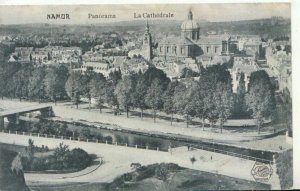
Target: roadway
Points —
{"points": [[117, 161]]}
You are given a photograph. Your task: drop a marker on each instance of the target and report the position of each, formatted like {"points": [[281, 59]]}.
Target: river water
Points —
{"points": [[130, 139]]}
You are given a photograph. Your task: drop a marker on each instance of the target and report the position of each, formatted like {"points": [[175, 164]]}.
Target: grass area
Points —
{"points": [[61, 159], [44, 161]]}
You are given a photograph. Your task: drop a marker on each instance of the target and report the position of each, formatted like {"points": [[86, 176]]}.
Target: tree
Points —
{"points": [[3, 90], [85, 133], [30, 149], [55, 81], [36, 85], [60, 151], [61, 155], [199, 100], [86, 84], [183, 101], [62, 129], [139, 95], [287, 114], [154, 97], [98, 89], [46, 127], [73, 87], [110, 97], [210, 79], [260, 97], [62, 77], [41, 92], [124, 92], [153, 73], [19, 85], [79, 158], [115, 76], [9, 71], [20, 81], [240, 108], [224, 102], [169, 99], [188, 73]]}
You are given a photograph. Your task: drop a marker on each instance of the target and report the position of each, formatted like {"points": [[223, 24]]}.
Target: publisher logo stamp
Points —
{"points": [[261, 172]]}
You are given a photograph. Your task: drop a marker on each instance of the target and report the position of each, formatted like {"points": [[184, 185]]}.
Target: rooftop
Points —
{"points": [[176, 40], [245, 68], [95, 64], [211, 39]]}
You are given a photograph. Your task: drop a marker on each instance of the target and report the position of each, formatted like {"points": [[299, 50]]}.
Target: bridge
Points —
{"points": [[13, 114]]}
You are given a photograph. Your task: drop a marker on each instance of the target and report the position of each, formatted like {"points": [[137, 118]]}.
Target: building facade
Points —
{"points": [[191, 45]]}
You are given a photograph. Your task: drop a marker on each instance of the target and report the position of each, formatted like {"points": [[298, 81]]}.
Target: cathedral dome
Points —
{"points": [[189, 24]]}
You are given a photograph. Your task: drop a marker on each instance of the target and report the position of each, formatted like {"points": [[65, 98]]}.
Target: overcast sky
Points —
{"points": [[79, 13]]}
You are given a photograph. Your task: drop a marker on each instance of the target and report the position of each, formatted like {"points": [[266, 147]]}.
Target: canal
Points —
{"points": [[150, 141]]}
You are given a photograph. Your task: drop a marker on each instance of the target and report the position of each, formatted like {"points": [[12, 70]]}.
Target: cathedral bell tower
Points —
{"points": [[147, 44]]}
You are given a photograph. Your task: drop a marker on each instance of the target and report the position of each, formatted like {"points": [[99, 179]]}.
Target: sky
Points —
{"points": [[24, 14]]}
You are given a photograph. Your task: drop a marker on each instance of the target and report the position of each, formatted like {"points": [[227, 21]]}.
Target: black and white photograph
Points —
{"points": [[152, 97]]}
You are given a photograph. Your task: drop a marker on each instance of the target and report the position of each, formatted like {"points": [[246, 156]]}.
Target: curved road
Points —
{"points": [[117, 160]]}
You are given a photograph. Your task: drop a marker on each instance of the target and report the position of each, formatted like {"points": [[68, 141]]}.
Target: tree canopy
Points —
{"points": [[260, 98]]}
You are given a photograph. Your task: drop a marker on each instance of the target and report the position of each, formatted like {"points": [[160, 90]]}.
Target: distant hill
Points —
{"points": [[266, 28]]}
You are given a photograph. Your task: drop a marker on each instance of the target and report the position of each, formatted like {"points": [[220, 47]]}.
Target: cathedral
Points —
{"points": [[190, 44]]}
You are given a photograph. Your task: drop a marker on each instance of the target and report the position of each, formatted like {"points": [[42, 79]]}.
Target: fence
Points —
{"points": [[231, 154], [195, 146], [80, 139]]}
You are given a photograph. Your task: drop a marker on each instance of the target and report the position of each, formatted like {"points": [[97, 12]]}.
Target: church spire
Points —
{"points": [[147, 26], [190, 15], [147, 43]]}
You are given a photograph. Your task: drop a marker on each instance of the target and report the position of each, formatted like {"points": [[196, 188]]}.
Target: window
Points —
{"points": [[175, 49], [182, 50], [216, 49], [167, 49], [207, 49], [161, 49]]}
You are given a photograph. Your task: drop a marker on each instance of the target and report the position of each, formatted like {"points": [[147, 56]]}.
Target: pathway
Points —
{"points": [[117, 160]]}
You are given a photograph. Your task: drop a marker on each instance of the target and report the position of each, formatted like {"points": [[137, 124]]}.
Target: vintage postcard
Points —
{"points": [[146, 97]]}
